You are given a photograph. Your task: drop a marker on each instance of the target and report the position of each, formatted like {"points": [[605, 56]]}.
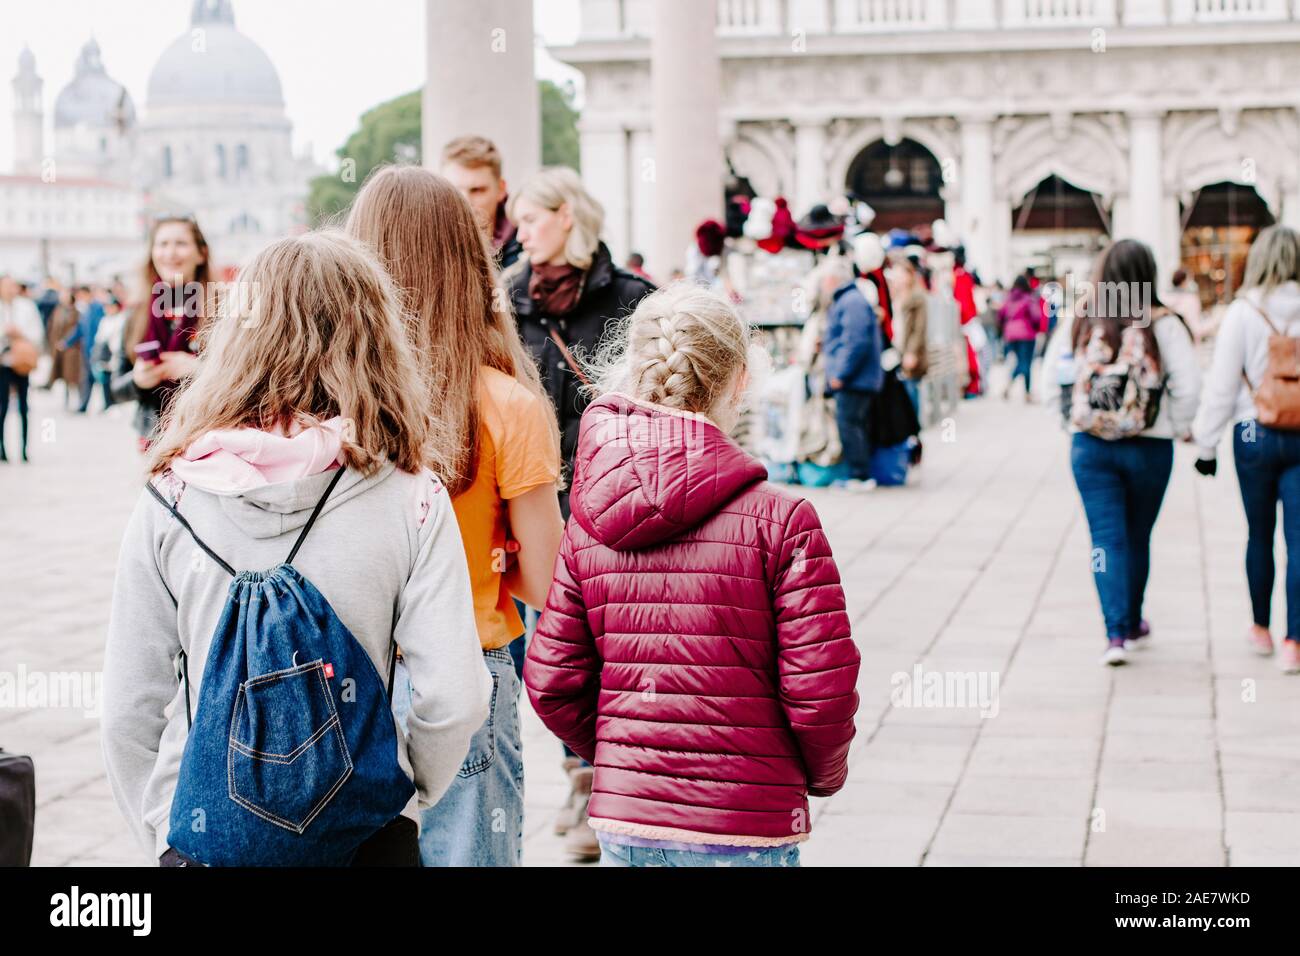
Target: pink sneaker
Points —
{"points": [[1290, 657], [1260, 640]]}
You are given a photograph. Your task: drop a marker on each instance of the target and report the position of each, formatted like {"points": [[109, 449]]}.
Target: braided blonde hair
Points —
{"points": [[684, 348]]}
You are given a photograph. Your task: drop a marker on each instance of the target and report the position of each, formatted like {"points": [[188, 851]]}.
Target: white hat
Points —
{"points": [[868, 253]]}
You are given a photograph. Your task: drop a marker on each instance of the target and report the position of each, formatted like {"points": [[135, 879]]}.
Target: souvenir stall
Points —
{"points": [[776, 270]]}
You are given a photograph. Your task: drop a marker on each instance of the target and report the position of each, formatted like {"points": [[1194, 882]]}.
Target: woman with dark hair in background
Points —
{"points": [[160, 338], [1136, 390]]}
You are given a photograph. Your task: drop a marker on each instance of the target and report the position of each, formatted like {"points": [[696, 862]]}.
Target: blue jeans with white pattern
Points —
{"points": [[621, 854]]}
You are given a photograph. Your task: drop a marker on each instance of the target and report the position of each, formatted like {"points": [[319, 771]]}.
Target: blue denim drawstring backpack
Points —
{"points": [[291, 758]]}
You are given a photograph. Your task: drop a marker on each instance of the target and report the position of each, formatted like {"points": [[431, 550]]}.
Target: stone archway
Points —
{"points": [[1219, 224], [1058, 228], [902, 182]]}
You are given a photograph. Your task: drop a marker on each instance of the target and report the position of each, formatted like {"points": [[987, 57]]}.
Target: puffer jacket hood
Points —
{"points": [[645, 474]]}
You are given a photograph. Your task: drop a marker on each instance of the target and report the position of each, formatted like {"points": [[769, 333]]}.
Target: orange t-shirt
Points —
{"points": [[518, 451]]}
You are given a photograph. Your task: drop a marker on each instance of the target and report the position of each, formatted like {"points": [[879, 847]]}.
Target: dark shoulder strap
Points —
{"points": [[186, 525], [320, 505]]}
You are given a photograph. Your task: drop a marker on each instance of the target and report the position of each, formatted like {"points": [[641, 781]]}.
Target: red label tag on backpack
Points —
{"points": [[329, 670]]}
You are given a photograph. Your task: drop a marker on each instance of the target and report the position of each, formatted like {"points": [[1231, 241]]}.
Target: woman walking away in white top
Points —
{"points": [[1267, 456]]}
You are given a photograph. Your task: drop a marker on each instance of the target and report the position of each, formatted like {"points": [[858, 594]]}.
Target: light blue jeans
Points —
{"points": [[480, 819], [619, 854]]}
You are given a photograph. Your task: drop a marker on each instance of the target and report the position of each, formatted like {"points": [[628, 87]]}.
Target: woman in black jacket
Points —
{"points": [[568, 292]]}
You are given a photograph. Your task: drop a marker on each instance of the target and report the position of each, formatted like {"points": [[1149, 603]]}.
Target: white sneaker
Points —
{"points": [[1116, 655], [861, 484]]}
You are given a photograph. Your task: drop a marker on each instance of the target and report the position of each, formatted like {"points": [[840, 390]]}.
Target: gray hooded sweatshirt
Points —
{"points": [[386, 553]]}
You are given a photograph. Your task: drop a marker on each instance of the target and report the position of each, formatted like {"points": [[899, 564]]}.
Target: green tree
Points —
{"points": [[388, 133], [391, 133], [559, 126]]}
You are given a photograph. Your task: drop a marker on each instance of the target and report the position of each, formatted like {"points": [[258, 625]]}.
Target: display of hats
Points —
{"points": [[711, 236], [820, 229]]}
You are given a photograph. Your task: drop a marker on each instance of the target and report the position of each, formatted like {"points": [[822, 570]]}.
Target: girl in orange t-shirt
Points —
{"points": [[496, 447]]}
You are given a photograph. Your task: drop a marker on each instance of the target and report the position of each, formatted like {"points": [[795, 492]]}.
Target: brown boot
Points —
{"points": [[569, 816], [580, 842]]}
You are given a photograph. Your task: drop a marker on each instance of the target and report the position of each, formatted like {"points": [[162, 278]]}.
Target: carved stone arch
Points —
{"points": [[855, 138], [1085, 153], [1260, 154], [765, 156]]}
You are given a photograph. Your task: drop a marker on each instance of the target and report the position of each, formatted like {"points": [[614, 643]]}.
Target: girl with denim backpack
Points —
{"points": [[303, 434]]}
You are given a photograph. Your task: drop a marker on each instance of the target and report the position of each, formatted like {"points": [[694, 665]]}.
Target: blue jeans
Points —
{"points": [[619, 854], [1268, 470], [1024, 353], [852, 418], [913, 389], [480, 819], [1122, 484]]}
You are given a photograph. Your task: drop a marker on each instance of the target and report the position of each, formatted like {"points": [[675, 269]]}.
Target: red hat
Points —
{"points": [[710, 236]]}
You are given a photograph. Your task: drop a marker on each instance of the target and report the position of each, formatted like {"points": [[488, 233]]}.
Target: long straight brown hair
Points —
{"points": [[459, 318], [1123, 294], [149, 279], [316, 332]]}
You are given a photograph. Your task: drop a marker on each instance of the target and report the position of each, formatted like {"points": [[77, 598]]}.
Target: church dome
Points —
{"points": [[217, 67], [93, 98]]}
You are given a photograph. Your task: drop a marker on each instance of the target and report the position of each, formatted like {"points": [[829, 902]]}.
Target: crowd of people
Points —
{"points": [[446, 451], [404, 437]]}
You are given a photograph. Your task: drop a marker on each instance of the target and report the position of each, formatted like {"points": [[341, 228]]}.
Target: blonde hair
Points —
{"points": [[313, 332], [473, 152], [682, 348], [558, 186], [1274, 259], [425, 234]]}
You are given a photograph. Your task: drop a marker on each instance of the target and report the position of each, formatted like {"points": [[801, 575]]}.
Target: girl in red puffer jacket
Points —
{"points": [[694, 646]]}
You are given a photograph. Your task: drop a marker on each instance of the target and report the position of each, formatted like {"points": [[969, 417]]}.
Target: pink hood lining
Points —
{"points": [[236, 460]]}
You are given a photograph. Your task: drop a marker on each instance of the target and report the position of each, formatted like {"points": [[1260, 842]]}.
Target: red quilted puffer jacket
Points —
{"points": [[694, 646]]}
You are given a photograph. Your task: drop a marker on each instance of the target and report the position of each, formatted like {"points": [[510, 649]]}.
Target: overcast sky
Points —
{"points": [[302, 37]]}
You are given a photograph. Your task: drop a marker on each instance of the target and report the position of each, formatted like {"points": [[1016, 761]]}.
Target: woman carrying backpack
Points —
{"points": [[294, 462], [1244, 389], [1136, 390]]}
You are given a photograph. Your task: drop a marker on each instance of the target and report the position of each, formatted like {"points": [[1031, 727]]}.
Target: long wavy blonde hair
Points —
{"points": [[460, 320], [312, 331]]}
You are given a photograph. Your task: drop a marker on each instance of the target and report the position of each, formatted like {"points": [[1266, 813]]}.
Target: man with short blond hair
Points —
{"points": [[473, 164]]}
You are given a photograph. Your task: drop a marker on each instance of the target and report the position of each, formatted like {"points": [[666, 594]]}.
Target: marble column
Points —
{"points": [[1147, 209], [605, 169], [810, 166], [686, 80], [480, 79], [977, 227]]}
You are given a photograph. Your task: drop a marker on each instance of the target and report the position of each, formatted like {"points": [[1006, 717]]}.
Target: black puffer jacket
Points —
{"points": [[608, 294]]}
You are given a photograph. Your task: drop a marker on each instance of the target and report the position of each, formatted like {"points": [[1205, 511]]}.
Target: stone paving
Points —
{"points": [[980, 568]]}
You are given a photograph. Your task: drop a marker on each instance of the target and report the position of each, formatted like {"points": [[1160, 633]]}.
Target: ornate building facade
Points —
{"points": [[1036, 128]]}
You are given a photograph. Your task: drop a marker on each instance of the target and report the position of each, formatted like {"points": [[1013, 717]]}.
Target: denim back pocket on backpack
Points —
{"points": [[287, 756]]}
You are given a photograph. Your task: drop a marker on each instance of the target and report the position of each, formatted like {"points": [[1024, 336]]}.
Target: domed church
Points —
{"points": [[213, 142]]}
